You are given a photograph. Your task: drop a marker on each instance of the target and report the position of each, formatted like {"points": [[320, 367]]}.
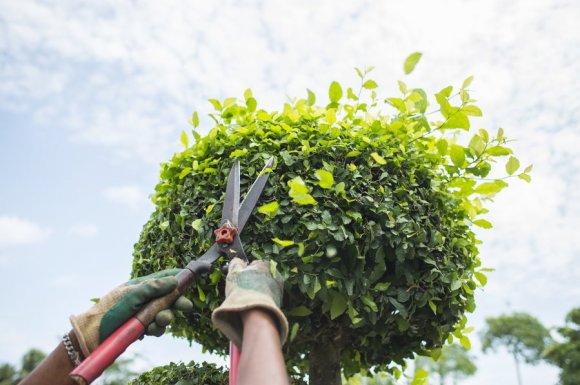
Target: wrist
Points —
{"points": [[257, 316], [76, 345]]}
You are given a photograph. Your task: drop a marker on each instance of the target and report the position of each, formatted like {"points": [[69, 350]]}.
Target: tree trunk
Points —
{"points": [[324, 363], [518, 368]]}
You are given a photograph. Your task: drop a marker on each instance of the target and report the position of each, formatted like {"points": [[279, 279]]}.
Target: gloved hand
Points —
{"points": [[249, 287], [106, 316]]}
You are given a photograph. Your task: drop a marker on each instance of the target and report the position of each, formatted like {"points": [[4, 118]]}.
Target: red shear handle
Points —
{"points": [[107, 352], [234, 363]]}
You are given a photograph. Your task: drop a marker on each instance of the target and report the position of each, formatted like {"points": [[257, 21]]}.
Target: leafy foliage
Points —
{"points": [[454, 363], [368, 215], [566, 354], [183, 374]]}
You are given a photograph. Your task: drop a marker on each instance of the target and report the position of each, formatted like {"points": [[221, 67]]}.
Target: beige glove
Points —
{"points": [[250, 287]]}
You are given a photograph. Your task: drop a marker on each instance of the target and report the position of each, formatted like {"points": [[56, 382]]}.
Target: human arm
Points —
{"points": [[93, 326], [261, 360], [251, 318]]}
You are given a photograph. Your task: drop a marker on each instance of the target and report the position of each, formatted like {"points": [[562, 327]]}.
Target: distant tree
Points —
{"points": [[30, 360], [521, 334], [453, 364], [7, 374], [566, 354], [10, 375]]}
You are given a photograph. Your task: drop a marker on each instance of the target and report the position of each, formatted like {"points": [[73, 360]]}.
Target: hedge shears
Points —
{"points": [[227, 243]]}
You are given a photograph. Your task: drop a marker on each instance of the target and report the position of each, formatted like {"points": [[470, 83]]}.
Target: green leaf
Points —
{"points": [[164, 225], [200, 293], [194, 121], [465, 342], [185, 172], [299, 192], [338, 304], [370, 303], [196, 224], [457, 154], [184, 139], [382, 286], [252, 104], [304, 199], [330, 116], [421, 378], [300, 311], [269, 209], [472, 110], [370, 84], [457, 120], [283, 243], [525, 177], [477, 145], [402, 87], [379, 159], [512, 165], [239, 152], [216, 104], [490, 188], [455, 285], [335, 92], [294, 331], [467, 82], [411, 61], [482, 278], [311, 97], [433, 307], [483, 223], [273, 265], [248, 94], [325, 179], [498, 151]]}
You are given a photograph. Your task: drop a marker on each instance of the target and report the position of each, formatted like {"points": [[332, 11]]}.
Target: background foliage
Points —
{"points": [[566, 353], [367, 214]]}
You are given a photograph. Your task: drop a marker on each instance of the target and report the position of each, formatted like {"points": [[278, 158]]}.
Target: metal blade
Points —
{"points": [[232, 199], [253, 195], [209, 257]]}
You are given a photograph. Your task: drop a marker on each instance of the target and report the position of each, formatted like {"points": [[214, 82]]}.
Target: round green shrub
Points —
{"points": [[183, 374], [366, 214]]}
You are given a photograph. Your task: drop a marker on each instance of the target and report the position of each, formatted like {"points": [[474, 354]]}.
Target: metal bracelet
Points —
{"points": [[74, 356]]}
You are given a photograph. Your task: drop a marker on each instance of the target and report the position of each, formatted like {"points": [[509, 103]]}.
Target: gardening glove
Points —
{"points": [[107, 315], [250, 287]]}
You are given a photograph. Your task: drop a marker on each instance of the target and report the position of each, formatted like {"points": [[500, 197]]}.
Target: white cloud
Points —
{"points": [[85, 230], [18, 231], [129, 196]]}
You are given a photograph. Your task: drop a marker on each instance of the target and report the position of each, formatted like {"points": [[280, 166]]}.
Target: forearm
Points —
{"points": [[55, 368], [261, 361]]}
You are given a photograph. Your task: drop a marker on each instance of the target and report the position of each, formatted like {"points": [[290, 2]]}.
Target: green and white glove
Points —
{"points": [[250, 287], [114, 309]]}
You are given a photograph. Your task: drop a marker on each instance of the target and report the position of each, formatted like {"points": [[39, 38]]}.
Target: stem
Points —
{"points": [[324, 363], [518, 368]]}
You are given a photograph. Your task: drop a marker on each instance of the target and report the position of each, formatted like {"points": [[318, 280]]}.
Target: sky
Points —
{"points": [[94, 96]]}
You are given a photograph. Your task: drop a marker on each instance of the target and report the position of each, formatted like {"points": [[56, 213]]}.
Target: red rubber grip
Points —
{"points": [[107, 352], [234, 363]]}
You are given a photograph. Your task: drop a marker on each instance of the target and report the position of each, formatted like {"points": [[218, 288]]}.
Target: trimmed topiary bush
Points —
{"points": [[184, 374], [368, 214]]}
